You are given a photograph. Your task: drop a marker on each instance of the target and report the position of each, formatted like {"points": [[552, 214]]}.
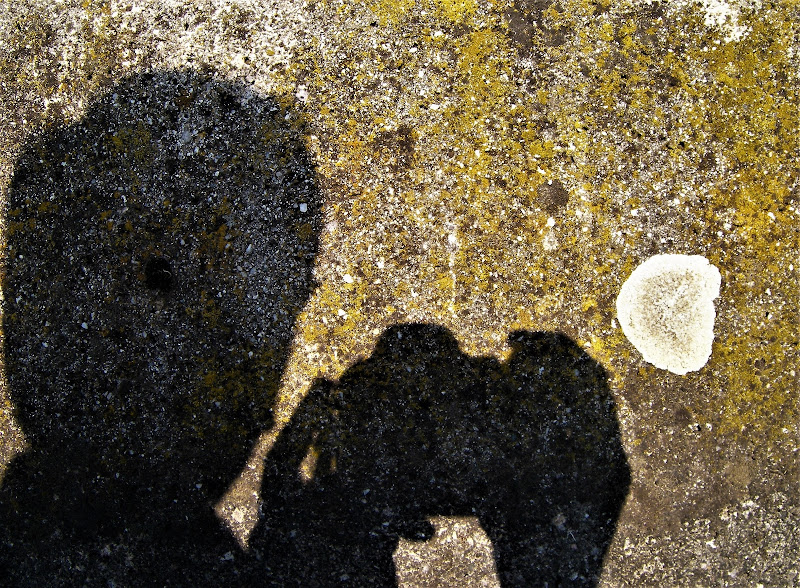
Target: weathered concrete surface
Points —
{"points": [[482, 166]]}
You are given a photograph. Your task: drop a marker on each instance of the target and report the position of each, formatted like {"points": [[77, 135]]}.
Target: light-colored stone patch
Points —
{"points": [[666, 311], [459, 554], [725, 15]]}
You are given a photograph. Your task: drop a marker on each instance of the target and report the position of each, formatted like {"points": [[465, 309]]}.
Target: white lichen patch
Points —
{"points": [[725, 15], [666, 310]]}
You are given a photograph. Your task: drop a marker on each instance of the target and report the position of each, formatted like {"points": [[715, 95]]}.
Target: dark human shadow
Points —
{"points": [[531, 447], [158, 252]]}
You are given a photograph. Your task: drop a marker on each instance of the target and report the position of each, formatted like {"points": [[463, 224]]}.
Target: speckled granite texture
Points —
{"points": [[324, 293]]}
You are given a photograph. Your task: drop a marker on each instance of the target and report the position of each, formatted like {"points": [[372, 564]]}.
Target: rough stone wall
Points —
{"points": [[491, 168]]}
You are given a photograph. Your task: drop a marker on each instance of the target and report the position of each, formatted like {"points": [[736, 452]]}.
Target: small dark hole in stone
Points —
{"points": [[228, 101], [158, 274]]}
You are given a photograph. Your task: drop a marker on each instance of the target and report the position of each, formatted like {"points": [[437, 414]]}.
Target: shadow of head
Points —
{"points": [[530, 446], [158, 253]]}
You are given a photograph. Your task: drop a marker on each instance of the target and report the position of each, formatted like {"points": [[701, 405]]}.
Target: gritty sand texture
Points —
{"points": [[309, 293]]}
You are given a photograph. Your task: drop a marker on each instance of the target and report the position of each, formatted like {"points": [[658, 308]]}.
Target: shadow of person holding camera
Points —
{"points": [[530, 446], [158, 251]]}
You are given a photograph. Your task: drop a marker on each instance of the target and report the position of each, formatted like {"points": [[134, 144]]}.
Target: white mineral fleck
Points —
{"points": [[666, 310], [550, 242]]}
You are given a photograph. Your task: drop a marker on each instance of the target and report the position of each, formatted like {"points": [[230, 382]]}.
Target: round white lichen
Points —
{"points": [[666, 310]]}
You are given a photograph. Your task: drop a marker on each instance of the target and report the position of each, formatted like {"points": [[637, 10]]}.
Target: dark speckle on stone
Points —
{"points": [[552, 196], [158, 274], [682, 416], [228, 101]]}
